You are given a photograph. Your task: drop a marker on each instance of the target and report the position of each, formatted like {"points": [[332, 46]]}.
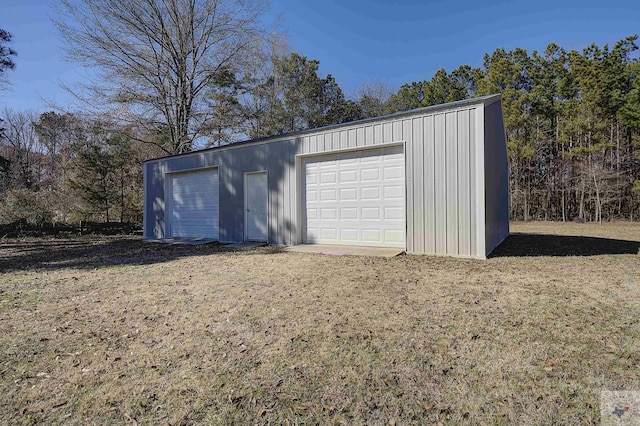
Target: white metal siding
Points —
{"points": [[356, 198], [194, 206]]}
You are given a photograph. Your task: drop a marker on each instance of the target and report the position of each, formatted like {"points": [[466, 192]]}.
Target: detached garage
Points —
{"points": [[432, 181]]}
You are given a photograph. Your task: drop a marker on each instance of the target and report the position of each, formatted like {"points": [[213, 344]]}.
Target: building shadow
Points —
{"points": [[91, 253], [520, 245]]}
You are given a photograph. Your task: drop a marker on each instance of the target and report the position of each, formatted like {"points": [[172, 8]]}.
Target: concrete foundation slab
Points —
{"points": [[246, 245], [184, 241], [336, 250]]}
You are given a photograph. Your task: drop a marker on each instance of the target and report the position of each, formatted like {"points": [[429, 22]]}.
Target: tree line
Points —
{"points": [[61, 168], [572, 123], [171, 76]]}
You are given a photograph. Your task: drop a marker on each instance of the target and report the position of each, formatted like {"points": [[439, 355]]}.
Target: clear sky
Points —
{"points": [[355, 40]]}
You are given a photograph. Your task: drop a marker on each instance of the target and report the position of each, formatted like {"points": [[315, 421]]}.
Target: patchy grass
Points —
{"points": [[114, 330]]}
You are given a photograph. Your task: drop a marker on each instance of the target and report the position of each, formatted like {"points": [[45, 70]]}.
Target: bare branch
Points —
{"points": [[155, 58]]}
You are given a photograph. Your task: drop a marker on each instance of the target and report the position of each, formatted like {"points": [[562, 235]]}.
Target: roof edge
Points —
{"points": [[491, 99], [484, 100]]}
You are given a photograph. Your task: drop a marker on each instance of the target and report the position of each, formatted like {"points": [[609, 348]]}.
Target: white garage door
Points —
{"points": [[195, 206], [356, 198]]}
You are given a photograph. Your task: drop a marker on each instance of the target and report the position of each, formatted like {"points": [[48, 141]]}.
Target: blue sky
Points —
{"points": [[355, 40]]}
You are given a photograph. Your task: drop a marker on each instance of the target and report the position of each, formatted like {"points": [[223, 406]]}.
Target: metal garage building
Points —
{"points": [[431, 180]]}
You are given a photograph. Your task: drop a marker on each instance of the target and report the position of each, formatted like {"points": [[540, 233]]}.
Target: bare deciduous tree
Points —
{"points": [[21, 142], [372, 97], [156, 58]]}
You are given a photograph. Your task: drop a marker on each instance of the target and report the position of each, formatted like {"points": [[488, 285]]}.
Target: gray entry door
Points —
{"points": [[257, 207]]}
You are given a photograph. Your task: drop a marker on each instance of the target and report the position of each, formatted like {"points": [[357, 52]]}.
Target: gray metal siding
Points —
{"points": [[440, 149], [277, 158], [496, 178]]}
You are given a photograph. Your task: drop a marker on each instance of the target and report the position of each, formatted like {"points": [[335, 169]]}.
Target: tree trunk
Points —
{"points": [[598, 206], [582, 190], [121, 195]]}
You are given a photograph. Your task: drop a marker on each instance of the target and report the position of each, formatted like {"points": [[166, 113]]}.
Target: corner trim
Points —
{"points": [[480, 187]]}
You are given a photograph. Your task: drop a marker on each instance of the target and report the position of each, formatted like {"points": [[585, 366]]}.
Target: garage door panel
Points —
{"points": [[370, 174], [348, 194], [348, 213], [347, 176], [329, 234], [328, 164], [371, 235], [328, 195], [391, 192], [393, 213], [328, 213], [370, 193], [349, 234], [393, 172], [200, 227], [394, 236], [194, 204], [328, 177], [312, 178], [364, 205], [207, 215], [371, 158], [350, 157], [371, 213], [391, 156]]}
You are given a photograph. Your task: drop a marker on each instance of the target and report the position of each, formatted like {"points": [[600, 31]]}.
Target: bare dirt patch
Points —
{"points": [[115, 330]]}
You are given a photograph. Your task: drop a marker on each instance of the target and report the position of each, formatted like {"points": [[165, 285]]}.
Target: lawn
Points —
{"points": [[114, 330]]}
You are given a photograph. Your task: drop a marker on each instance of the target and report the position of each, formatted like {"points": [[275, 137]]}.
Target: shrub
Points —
{"points": [[24, 205]]}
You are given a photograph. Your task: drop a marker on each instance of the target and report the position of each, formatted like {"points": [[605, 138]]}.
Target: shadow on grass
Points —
{"points": [[90, 253], [518, 245]]}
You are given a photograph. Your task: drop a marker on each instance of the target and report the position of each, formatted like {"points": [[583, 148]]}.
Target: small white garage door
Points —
{"points": [[356, 198], [194, 204]]}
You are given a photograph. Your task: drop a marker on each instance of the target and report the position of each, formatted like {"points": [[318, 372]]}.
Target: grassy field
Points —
{"points": [[113, 330]]}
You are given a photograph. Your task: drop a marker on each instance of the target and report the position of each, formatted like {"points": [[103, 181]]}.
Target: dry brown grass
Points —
{"points": [[114, 330]]}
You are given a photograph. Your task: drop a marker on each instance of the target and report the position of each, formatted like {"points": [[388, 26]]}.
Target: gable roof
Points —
{"points": [[486, 100]]}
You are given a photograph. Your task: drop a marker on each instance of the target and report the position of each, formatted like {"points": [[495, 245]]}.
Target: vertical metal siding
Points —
{"points": [[408, 173], [472, 184], [464, 235], [351, 138], [440, 185], [377, 134], [418, 185], [387, 132], [397, 131], [441, 174], [451, 154], [359, 136], [428, 173], [368, 136]]}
